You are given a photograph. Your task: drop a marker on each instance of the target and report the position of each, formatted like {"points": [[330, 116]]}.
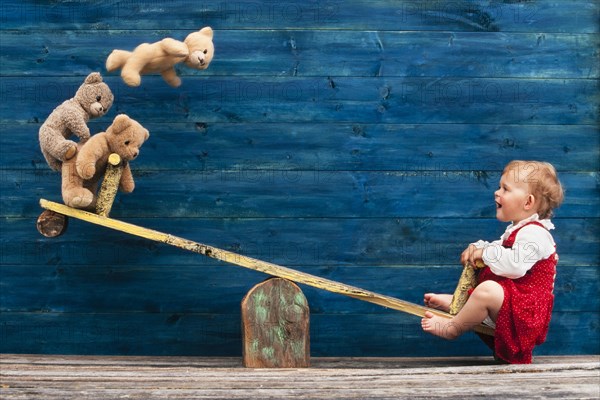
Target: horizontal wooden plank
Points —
{"points": [[254, 149], [384, 335], [37, 363], [139, 377], [322, 99], [321, 242], [412, 15], [98, 288], [360, 141], [321, 53], [292, 194]]}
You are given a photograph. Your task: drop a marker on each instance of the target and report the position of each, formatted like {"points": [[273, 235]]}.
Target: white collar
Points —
{"points": [[546, 223]]}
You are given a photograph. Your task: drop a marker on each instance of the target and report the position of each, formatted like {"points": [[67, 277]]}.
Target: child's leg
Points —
{"points": [[438, 301], [485, 301]]}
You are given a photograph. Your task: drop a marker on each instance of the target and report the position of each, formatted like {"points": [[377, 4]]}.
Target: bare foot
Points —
{"points": [[438, 301], [440, 326]]}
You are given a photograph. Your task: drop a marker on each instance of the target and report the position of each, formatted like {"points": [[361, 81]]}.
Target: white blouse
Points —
{"points": [[532, 244]]}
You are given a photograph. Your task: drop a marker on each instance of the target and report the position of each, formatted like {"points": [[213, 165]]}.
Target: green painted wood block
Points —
{"points": [[275, 326]]}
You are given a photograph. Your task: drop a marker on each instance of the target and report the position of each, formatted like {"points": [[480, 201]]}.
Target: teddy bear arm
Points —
{"points": [[77, 125], [174, 47], [144, 59], [170, 76], [126, 183], [89, 154]]}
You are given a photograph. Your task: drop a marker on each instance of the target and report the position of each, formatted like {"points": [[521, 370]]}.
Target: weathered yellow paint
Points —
{"points": [[252, 263], [466, 282], [110, 185]]}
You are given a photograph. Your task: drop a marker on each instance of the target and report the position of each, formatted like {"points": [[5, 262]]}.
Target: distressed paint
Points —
{"points": [[376, 53], [254, 264], [282, 339], [110, 185], [359, 141]]}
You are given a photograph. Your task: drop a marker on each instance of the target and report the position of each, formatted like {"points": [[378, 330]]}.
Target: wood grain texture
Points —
{"points": [[264, 193], [359, 242], [251, 263], [60, 377], [410, 15], [110, 185], [323, 52], [51, 224], [466, 283], [275, 326], [219, 334], [324, 100], [359, 141], [173, 288], [254, 148]]}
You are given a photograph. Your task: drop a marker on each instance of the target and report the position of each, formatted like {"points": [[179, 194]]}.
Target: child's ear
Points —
{"points": [[530, 202]]}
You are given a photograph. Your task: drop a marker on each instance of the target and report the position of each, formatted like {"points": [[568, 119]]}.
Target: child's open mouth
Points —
{"points": [[498, 205]]}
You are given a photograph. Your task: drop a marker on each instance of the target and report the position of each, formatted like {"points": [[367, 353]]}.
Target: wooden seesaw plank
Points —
{"points": [[252, 263]]}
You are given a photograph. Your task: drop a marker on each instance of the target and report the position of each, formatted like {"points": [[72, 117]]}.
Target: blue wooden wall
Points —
{"points": [[359, 140]]}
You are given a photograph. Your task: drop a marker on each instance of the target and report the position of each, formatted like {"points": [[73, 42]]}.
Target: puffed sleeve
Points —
{"points": [[532, 243]]}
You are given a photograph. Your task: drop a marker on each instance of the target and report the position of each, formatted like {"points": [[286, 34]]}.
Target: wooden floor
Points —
{"points": [[87, 377]]}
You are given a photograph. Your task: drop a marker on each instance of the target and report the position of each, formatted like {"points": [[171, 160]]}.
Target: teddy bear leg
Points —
{"points": [[63, 149], [55, 164], [55, 148], [131, 76], [92, 187], [117, 59], [59, 152], [73, 191], [130, 71], [170, 76], [71, 152], [78, 198]]}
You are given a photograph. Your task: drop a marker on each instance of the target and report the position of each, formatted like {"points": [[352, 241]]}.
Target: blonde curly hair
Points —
{"points": [[543, 183]]}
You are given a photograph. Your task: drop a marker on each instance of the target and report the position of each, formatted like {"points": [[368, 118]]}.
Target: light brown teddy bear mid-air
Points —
{"points": [[196, 51]]}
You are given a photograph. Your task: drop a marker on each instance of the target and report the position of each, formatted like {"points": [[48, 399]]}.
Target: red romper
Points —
{"points": [[524, 317]]}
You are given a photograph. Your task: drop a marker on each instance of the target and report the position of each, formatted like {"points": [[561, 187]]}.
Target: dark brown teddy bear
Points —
{"points": [[93, 99]]}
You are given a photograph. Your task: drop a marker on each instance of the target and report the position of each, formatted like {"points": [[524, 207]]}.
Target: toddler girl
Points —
{"points": [[514, 291]]}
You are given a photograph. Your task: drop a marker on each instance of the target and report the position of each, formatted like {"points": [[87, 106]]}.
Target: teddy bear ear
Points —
{"points": [[207, 30], [120, 123], [94, 77], [146, 134]]}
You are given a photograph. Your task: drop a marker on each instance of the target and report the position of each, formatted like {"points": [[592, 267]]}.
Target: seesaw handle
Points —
{"points": [[110, 185], [466, 282]]}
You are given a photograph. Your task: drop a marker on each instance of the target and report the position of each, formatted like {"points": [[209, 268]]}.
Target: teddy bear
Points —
{"points": [[81, 174], [93, 99], [196, 51]]}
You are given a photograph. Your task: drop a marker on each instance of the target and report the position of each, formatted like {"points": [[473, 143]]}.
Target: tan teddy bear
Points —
{"points": [[93, 99], [196, 51], [81, 174]]}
